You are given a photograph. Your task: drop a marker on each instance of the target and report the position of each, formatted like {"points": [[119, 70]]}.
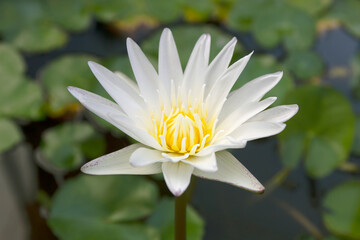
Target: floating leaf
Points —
{"points": [[342, 210], [304, 64], [312, 7], [28, 26], [70, 14], [163, 220], [65, 145], [324, 126], [243, 13], [189, 35], [283, 22], [100, 207], [196, 11], [264, 64], [40, 38], [347, 11], [11, 62], [70, 70], [10, 134], [164, 11], [110, 10], [19, 97]]}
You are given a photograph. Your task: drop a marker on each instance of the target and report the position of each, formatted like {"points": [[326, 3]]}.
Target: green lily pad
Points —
{"points": [[110, 10], [164, 11], [312, 7], [163, 220], [342, 210], [323, 130], [11, 62], [304, 64], [347, 11], [70, 70], [19, 97], [196, 11], [69, 14], [284, 23], [264, 64], [40, 38], [102, 207], [65, 145], [243, 13], [10, 134], [186, 37], [28, 26]]}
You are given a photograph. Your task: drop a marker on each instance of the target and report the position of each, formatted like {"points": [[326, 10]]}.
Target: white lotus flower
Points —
{"points": [[184, 120]]}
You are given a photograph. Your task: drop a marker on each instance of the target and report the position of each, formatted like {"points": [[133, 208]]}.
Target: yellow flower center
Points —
{"points": [[183, 130]]}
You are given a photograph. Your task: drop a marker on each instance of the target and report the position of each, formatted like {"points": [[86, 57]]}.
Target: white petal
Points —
{"points": [[129, 81], [231, 171], [118, 163], [128, 126], [254, 130], [175, 157], [112, 113], [119, 89], [205, 163], [251, 91], [242, 114], [144, 156], [277, 114], [144, 72], [196, 66], [222, 87], [169, 62], [95, 103], [177, 176], [225, 143], [219, 65]]}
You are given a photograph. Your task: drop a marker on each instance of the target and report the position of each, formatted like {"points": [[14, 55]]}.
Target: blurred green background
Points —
{"points": [[311, 170]]}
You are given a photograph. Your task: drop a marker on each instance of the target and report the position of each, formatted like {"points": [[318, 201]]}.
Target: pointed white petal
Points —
{"points": [[219, 65], [169, 62], [95, 103], [231, 171], [144, 156], [144, 72], [242, 114], [177, 176], [128, 126], [254, 130], [196, 66], [251, 91], [129, 81], [205, 163], [112, 113], [277, 114], [222, 87], [119, 89], [118, 163]]}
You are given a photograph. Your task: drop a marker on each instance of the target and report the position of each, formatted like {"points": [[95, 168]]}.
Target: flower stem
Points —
{"points": [[180, 216]]}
